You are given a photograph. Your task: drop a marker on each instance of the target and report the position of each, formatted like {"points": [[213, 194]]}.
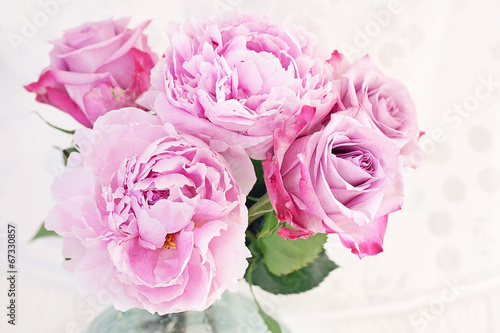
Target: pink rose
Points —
{"points": [[386, 101], [153, 219], [95, 68], [345, 179], [239, 79]]}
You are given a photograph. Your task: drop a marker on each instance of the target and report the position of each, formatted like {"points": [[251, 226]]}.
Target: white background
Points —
{"points": [[440, 271]]}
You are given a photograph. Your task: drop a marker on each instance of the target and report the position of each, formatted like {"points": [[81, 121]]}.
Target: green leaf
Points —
{"points": [[283, 256], [269, 226], [299, 281], [66, 152], [54, 126], [43, 232], [272, 325]]}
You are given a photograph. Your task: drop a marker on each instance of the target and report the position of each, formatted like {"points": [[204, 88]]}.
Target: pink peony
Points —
{"points": [[95, 68], [345, 179], [153, 219], [385, 100], [239, 79]]}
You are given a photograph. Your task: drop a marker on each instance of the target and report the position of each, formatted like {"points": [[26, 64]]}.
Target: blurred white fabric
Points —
{"points": [[440, 269]]}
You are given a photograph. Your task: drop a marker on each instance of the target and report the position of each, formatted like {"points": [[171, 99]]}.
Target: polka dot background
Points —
{"points": [[440, 269]]}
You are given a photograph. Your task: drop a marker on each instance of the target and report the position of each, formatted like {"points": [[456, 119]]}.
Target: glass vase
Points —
{"points": [[233, 313]]}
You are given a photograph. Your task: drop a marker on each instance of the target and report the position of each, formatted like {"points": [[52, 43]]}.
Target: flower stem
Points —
{"points": [[261, 207]]}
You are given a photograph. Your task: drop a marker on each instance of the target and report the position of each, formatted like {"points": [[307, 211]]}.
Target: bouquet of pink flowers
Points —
{"points": [[232, 156]]}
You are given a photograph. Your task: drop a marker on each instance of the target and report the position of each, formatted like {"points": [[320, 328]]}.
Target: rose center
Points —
{"points": [[392, 108], [356, 157]]}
